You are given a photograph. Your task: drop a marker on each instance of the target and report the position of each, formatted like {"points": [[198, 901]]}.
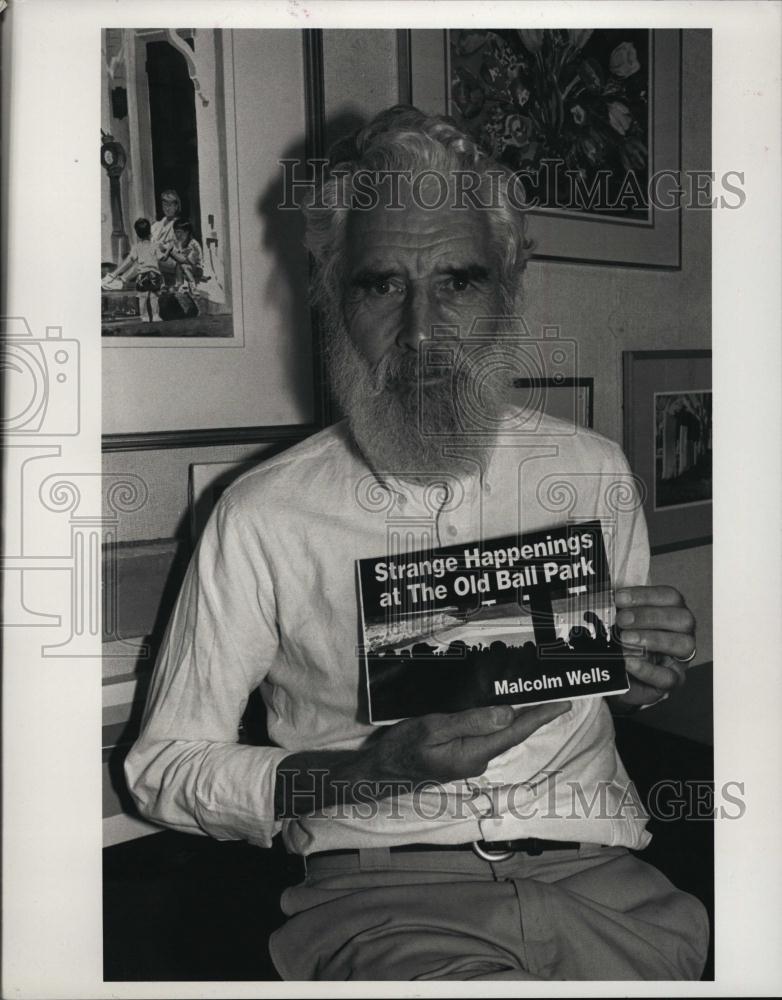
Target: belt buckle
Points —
{"points": [[489, 855]]}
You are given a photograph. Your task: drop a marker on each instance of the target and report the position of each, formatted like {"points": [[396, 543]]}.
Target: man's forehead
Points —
{"points": [[382, 234]]}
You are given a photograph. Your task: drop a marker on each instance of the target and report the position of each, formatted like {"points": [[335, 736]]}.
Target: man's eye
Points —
{"points": [[384, 287], [368, 287], [458, 283]]}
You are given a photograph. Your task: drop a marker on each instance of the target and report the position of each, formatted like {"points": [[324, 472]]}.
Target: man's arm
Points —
{"points": [[432, 748], [187, 769]]}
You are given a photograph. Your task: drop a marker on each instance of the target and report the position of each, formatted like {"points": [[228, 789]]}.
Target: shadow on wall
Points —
{"points": [[283, 241]]}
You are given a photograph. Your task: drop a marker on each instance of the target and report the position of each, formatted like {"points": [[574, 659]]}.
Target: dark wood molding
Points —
{"points": [[315, 149], [314, 100], [679, 209], [404, 67], [208, 437]]}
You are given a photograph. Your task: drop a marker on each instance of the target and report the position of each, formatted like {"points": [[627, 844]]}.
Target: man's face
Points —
{"points": [[170, 207], [413, 269], [409, 271]]}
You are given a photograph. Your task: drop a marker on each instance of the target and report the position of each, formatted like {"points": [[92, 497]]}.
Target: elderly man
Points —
{"points": [[491, 843]]}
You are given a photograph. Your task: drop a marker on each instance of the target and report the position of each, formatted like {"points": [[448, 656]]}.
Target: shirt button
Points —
{"points": [[487, 489], [451, 530]]}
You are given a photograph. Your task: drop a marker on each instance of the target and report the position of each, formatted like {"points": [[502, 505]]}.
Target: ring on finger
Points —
{"points": [[688, 659]]}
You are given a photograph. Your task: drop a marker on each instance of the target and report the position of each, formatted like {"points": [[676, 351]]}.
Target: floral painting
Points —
{"points": [[568, 109]]}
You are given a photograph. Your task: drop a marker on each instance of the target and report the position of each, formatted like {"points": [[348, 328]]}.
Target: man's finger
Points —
{"points": [[526, 722], [678, 644], [655, 675], [471, 722], [676, 619], [638, 695], [666, 597]]}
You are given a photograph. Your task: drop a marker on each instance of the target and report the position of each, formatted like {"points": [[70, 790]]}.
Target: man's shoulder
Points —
{"points": [[573, 441], [319, 463]]}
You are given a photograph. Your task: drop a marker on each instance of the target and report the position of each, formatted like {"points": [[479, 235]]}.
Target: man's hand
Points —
{"points": [[658, 631], [434, 748], [450, 747]]}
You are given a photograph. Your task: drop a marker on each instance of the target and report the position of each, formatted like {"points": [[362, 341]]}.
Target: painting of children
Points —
{"points": [[145, 256], [188, 258]]}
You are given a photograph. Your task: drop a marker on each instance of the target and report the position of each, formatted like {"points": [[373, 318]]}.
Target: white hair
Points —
{"points": [[405, 139]]}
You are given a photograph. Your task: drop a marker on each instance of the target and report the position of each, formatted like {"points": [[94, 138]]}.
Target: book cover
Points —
{"points": [[514, 620]]}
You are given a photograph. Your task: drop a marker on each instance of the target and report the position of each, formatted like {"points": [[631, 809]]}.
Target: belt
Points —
{"points": [[489, 850]]}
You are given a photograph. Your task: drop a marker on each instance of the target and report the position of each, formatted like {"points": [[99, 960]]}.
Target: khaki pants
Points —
{"points": [[596, 913]]}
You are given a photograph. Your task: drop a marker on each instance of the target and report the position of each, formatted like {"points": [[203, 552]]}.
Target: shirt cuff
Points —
{"points": [[234, 795]]}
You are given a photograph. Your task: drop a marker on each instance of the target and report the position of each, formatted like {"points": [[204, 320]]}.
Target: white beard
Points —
{"points": [[410, 431]]}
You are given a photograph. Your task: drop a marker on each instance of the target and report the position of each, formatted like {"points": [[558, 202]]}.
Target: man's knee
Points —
{"points": [[696, 945]]}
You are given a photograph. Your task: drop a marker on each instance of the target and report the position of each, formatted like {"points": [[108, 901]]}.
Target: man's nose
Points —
{"points": [[419, 316]]}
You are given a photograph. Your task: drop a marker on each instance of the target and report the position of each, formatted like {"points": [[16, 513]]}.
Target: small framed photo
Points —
{"points": [[570, 399], [668, 442]]}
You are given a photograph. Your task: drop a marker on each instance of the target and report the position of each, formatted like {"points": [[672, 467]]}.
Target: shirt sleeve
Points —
{"points": [[187, 769], [624, 495]]}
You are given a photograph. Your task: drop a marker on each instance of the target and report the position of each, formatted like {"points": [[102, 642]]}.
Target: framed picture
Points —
{"points": [[668, 441], [204, 302], [588, 120], [166, 236], [570, 399]]}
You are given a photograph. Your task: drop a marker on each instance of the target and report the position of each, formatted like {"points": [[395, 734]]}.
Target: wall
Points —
{"points": [[359, 76], [607, 309]]}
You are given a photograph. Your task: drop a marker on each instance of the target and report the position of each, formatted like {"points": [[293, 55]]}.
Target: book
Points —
{"points": [[513, 620]]}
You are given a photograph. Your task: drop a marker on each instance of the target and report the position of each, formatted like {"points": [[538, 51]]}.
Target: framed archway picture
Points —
{"points": [[668, 442]]}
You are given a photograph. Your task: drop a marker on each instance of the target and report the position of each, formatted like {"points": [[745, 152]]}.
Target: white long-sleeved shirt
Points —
{"points": [[270, 600]]}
